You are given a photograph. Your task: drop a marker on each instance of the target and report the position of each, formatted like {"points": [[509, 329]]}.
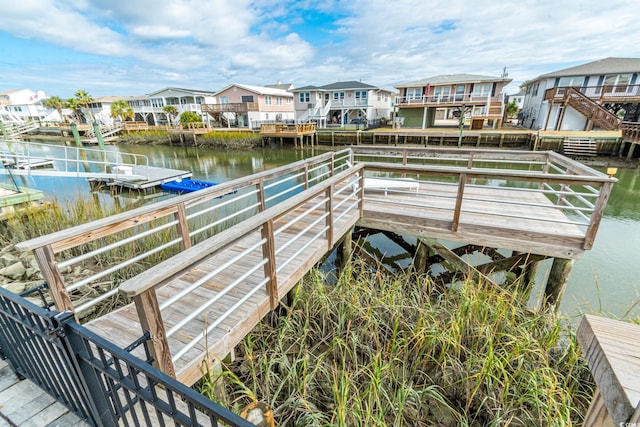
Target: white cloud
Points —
{"points": [[208, 43]]}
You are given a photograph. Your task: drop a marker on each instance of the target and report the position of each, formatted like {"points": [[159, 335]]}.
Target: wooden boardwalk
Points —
{"points": [[22, 403], [237, 248]]}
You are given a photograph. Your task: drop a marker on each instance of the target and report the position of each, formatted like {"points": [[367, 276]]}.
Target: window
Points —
{"points": [[414, 93], [361, 94], [279, 100], [482, 89], [247, 98], [157, 102], [267, 99], [441, 93], [224, 100], [305, 97], [571, 81], [288, 100], [338, 96], [617, 82]]}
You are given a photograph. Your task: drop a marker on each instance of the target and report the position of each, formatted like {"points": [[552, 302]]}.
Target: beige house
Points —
{"points": [[480, 98], [249, 106]]}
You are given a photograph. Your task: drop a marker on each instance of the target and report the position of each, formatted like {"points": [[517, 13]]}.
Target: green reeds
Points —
{"points": [[395, 350]]}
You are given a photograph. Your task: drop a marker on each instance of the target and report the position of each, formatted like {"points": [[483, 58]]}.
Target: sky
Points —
{"points": [[136, 47]]}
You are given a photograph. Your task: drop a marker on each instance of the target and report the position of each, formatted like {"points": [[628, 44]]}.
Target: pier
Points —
{"points": [[223, 263]]}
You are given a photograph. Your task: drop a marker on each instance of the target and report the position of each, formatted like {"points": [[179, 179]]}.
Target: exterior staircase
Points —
{"points": [[595, 112]]}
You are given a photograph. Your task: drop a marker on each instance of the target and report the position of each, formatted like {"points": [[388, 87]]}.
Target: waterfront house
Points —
{"points": [[340, 103], [479, 98], [248, 106], [595, 95], [23, 105]]}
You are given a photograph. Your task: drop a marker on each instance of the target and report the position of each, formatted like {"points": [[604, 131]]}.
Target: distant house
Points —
{"points": [[149, 108], [21, 105], [248, 106], [480, 98], [340, 103], [517, 98], [593, 95]]}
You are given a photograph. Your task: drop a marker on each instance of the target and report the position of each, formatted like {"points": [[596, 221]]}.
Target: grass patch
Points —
{"points": [[395, 350]]}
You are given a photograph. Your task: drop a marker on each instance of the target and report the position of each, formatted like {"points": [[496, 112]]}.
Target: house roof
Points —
{"points": [[601, 66], [192, 91], [283, 86], [337, 86], [445, 79], [261, 90]]}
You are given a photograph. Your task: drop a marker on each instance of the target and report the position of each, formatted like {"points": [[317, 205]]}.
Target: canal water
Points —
{"points": [[605, 280]]}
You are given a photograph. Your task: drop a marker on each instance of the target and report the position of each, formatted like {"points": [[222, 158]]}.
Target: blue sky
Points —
{"points": [[134, 47]]}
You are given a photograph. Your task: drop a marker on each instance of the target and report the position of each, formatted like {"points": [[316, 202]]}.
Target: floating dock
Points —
{"points": [[154, 177], [12, 198]]}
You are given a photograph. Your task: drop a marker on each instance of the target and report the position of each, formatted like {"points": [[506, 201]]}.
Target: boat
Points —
{"points": [[186, 185]]}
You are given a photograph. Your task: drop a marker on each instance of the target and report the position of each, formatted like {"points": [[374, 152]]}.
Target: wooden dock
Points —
{"points": [[228, 261], [22, 403], [611, 348], [154, 177], [12, 199]]}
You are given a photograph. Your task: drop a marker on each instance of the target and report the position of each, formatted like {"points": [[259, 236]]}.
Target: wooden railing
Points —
{"points": [[576, 190], [134, 126], [119, 244], [316, 211], [604, 93], [630, 131], [233, 107], [246, 220], [278, 128]]}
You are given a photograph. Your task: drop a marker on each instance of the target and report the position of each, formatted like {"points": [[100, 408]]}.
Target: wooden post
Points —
{"points": [[182, 226], [345, 249], [596, 216], [457, 211], [306, 176], [151, 320], [333, 139], [49, 268], [269, 252], [261, 196], [631, 150], [329, 219], [420, 257], [557, 282]]}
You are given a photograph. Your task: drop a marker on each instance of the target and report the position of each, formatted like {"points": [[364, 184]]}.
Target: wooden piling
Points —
{"points": [[557, 282]]}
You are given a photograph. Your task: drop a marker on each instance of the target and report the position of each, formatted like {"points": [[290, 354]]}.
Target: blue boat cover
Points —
{"points": [[186, 185]]}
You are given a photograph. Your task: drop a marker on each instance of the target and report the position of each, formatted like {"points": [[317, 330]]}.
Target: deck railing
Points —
{"points": [[579, 192], [231, 107], [449, 98], [120, 244], [309, 197], [316, 211], [280, 128], [603, 92]]}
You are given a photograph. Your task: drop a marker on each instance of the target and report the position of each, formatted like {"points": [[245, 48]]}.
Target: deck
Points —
{"points": [[225, 262], [154, 177]]}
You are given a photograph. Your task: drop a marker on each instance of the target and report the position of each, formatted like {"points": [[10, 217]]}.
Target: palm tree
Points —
{"points": [[121, 109], [84, 99], [170, 111], [74, 105], [57, 104]]}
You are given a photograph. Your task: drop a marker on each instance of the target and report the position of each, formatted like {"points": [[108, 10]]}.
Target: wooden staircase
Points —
{"points": [[595, 112]]}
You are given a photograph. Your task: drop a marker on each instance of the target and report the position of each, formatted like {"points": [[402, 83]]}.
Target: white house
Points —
{"points": [[340, 103], [22, 105], [584, 97]]}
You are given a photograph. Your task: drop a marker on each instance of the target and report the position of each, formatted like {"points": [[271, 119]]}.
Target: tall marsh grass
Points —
{"points": [[377, 349]]}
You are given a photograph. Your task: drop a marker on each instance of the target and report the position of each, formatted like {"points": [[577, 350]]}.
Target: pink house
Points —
{"points": [[249, 106]]}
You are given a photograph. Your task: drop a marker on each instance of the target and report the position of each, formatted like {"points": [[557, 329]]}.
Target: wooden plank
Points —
{"points": [[151, 320], [610, 348]]}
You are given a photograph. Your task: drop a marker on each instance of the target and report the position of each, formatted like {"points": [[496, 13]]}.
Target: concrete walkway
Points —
{"points": [[24, 404]]}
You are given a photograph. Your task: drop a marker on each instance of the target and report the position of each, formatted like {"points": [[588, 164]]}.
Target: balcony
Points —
{"points": [[605, 93], [446, 100], [233, 107]]}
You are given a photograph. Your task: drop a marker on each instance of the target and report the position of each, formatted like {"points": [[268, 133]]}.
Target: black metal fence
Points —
{"points": [[101, 383]]}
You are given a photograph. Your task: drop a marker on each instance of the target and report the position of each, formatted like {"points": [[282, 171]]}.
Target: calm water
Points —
{"points": [[606, 278]]}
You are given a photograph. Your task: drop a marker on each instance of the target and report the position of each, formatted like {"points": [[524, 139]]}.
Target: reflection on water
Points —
{"points": [[607, 278]]}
